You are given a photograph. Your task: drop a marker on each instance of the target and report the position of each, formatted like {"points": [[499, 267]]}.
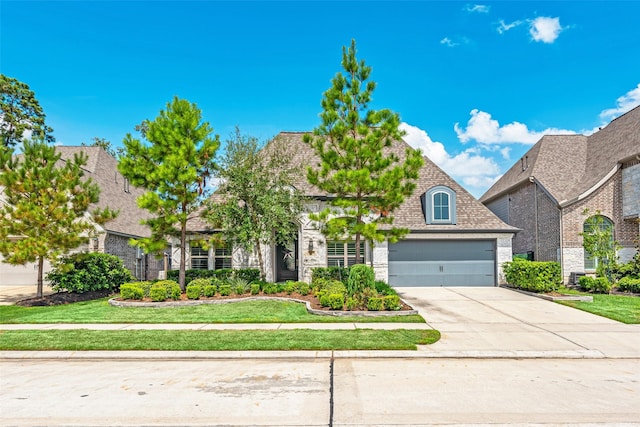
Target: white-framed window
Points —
{"points": [[343, 254], [439, 204], [199, 257], [223, 257]]}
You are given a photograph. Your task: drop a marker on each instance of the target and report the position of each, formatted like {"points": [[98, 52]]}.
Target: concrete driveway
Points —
{"points": [[499, 322]]}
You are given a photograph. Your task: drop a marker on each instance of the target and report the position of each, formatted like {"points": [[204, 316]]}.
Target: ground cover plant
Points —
{"points": [[298, 339], [99, 311]]}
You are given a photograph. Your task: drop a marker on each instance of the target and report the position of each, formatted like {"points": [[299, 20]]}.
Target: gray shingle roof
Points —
{"points": [[569, 165], [102, 169]]}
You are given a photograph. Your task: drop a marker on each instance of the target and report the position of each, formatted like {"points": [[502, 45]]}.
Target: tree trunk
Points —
{"points": [[263, 275], [40, 272], [183, 257]]}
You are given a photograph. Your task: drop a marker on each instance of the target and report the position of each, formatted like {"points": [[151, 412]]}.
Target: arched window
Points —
{"points": [[439, 205], [604, 226]]}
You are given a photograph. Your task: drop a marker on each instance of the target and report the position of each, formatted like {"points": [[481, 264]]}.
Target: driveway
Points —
{"points": [[499, 322]]}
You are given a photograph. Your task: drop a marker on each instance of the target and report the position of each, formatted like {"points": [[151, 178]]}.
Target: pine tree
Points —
{"points": [[174, 168], [256, 202], [46, 208], [357, 166]]}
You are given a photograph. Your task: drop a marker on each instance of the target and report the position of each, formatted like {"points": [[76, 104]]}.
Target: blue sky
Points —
{"points": [[476, 84]]}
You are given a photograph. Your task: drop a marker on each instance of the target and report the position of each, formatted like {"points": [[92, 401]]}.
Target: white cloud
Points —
{"points": [[545, 29], [506, 152], [448, 42], [474, 171], [482, 128], [503, 27], [477, 8], [625, 103]]}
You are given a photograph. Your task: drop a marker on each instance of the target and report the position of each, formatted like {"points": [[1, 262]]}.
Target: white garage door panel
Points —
{"points": [[442, 263], [21, 275]]}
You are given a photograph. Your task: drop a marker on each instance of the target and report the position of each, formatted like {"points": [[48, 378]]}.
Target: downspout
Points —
{"points": [[535, 207]]}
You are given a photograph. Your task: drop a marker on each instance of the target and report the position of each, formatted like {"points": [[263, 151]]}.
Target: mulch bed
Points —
{"points": [[71, 297]]}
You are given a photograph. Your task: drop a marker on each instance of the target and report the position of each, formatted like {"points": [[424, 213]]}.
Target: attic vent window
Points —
{"points": [[439, 204], [126, 185], [524, 162]]}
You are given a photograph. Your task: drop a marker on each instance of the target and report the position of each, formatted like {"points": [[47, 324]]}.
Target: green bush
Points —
{"points": [[360, 278], [269, 289], [248, 274], [304, 288], [375, 303], [239, 285], [352, 303], [132, 291], [533, 276], [384, 289], [239, 289], [326, 287], [629, 284], [87, 272], [330, 273], [392, 302], [172, 289], [158, 293], [255, 288], [333, 301], [202, 282], [210, 290], [146, 288], [225, 289], [291, 287], [194, 290], [598, 285]]}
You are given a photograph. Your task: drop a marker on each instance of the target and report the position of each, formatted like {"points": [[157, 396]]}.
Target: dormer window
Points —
{"points": [[439, 204]]}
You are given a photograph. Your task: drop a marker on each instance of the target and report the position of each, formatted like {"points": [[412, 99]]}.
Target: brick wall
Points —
{"points": [[548, 228], [521, 208], [144, 268]]}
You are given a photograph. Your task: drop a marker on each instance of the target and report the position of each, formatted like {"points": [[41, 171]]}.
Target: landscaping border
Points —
{"points": [[337, 313]]}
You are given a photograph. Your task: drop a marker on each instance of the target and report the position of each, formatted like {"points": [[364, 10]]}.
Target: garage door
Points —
{"points": [[442, 263]]}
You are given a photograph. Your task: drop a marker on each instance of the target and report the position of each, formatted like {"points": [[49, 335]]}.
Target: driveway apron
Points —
{"points": [[495, 321]]}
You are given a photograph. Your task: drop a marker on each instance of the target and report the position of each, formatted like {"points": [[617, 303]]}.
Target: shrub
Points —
{"points": [[290, 287], [238, 285], [392, 302], [158, 293], [146, 288], [255, 288], [194, 290], [365, 295], [249, 274], [533, 276], [172, 289], [239, 289], [360, 278], [225, 289], [304, 288], [210, 290], [598, 285], [88, 271], [200, 282], [326, 287], [375, 304], [270, 288], [384, 289], [330, 273], [131, 291], [352, 303], [333, 301], [629, 284]]}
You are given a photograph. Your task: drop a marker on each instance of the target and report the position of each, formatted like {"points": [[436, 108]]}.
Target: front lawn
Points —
{"points": [[298, 339], [99, 311], [622, 308]]}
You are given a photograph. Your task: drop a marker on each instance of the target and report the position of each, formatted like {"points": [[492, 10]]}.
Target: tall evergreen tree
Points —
{"points": [[174, 168], [368, 181], [20, 112], [256, 202], [46, 208]]}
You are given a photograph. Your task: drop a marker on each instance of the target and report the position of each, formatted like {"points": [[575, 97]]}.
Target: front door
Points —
{"points": [[287, 261]]}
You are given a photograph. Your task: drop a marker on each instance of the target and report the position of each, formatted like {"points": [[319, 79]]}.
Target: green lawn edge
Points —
{"points": [[99, 311], [253, 340], [621, 308]]}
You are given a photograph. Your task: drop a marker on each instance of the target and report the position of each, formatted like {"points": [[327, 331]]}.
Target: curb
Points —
{"points": [[583, 298]]}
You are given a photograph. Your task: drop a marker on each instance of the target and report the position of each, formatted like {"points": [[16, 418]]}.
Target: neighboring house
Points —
{"points": [[547, 191], [454, 240], [113, 237]]}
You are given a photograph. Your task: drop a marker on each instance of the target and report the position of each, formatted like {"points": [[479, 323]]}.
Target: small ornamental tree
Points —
{"points": [[366, 179], [173, 167], [256, 202], [20, 114], [47, 203], [598, 242]]}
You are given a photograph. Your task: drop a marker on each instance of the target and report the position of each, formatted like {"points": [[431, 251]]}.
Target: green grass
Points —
{"points": [[298, 339], [99, 311], [622, 308]]}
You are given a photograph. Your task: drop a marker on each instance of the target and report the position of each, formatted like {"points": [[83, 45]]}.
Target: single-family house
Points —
{"points": [[113, 237], [546, 193], [453, 239]]}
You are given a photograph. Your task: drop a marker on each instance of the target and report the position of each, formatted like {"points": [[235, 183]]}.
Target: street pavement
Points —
{"points": [[504, 359]]}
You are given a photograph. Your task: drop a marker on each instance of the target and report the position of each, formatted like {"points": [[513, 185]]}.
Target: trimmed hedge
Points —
{"points": [[131, 291], [330, 273], [533, 276], [248, 274]]}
